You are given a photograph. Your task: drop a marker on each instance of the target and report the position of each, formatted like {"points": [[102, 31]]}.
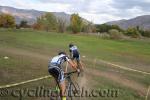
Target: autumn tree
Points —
{"points": [[47, 22], [76, 23], [7, 21], [37, 26]]}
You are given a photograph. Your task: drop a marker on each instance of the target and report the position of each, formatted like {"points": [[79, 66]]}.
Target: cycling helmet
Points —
{"points": [[61, 52], [70, 45]]}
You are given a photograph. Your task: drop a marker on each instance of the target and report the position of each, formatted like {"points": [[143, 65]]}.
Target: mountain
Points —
{"points": [[141, 21], [30, 15]]}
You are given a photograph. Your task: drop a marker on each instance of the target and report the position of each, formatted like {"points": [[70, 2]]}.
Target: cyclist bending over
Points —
{"points": [[74, 54], [55, 69]]}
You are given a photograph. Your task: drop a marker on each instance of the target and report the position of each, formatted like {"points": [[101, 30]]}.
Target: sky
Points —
{"points": [[97, 11]]}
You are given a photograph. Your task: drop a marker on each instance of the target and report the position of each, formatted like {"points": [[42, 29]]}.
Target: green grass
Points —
{"points": [[122, 51], [30, 50]]}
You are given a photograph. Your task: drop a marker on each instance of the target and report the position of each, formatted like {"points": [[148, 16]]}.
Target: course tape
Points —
{"points": [[119, 66], [125, 68], [28, 81]]}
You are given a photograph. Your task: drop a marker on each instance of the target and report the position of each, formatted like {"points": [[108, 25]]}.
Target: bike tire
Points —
{"points": [[73, 90], [68, 92]]}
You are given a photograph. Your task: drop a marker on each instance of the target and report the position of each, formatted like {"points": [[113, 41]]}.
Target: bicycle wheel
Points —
{"points": [[73, 91], [68, 91]]}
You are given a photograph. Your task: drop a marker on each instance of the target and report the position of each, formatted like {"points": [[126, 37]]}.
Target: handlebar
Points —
{"points": [[69, 73]]}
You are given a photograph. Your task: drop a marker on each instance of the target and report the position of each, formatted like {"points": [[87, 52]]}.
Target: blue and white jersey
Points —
{"points": [[74, 49], [58, 60]]}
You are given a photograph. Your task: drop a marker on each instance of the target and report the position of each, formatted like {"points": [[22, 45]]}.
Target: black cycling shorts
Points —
{"points": [[76, 56], [57, 73]]}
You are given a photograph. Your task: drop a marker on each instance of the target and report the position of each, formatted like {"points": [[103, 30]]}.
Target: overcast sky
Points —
{"points": [[97, 11]]}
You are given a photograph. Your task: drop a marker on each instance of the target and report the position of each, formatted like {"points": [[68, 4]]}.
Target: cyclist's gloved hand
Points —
{"points": [[78, 70]]}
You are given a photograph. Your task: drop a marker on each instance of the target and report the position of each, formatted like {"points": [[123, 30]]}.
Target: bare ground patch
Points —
{"points": [[121, 80]]}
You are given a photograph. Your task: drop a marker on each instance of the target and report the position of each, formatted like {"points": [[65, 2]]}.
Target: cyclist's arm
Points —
{"points": [[72, 64]]}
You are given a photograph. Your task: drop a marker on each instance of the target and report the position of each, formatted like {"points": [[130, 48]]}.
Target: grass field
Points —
{"points": [[29, 52]]}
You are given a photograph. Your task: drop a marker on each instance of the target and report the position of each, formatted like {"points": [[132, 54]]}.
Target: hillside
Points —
{"points": [[30, 15], [142, 21]]}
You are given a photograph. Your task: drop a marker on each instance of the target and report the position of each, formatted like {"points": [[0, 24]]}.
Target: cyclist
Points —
{"points": [[74, 54], [55, 69]]}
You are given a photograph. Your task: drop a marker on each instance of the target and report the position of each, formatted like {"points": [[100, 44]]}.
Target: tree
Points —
{"points": [[89, 28], [105, 28], [61, 25], [7, 21], [116, 27], [23, 24], [115, 34], [37, 26], [76, 23], [133, 32], [145, 33], [47, 22]]}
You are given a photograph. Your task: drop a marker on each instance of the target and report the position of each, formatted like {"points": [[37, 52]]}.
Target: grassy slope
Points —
{"points": [[133, 53]]}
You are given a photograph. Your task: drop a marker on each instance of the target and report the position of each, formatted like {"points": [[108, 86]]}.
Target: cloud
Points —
{"points": [[98, 11], [34, 4], [131, 8], [129, 4], [64, 1], [81, 5], [99, 18]]}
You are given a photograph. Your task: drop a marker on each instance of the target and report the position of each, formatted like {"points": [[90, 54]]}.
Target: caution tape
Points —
{"points": [[28, 81], [123, 67], [118, 66]]}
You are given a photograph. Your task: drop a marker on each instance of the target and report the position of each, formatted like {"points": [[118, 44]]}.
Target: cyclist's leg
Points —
{"points": [[54, 72], [63, 90], [62, 85], [79, 63], [58, 74]]}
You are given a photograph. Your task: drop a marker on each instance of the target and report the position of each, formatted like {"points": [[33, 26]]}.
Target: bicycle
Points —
{"points": [[72, 89]]}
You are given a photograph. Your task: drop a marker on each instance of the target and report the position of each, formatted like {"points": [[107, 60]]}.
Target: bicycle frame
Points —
{"points": [[71, 87]]}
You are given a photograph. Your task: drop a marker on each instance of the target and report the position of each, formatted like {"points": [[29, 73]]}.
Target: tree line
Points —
{"points": [[135, 32], [50, 22]]}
